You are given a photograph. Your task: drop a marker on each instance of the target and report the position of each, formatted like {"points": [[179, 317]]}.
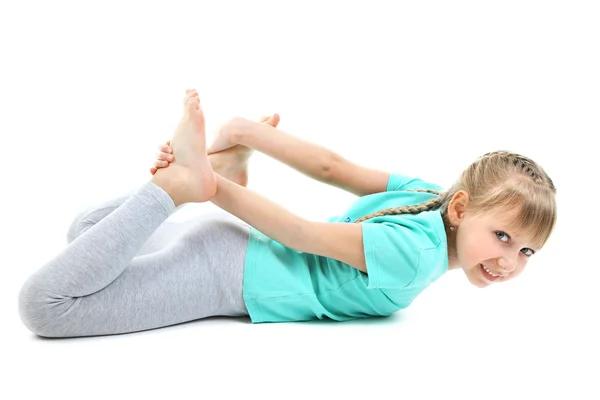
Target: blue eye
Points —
{"points": [[531, 252]]}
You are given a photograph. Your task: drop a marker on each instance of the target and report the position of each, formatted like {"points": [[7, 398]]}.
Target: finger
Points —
{"points": [[164, 156], [165, 148], [264, 118], [153, 170], [160, 164]]}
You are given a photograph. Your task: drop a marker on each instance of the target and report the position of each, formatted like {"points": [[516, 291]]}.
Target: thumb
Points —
{"points": [[274, 120]]}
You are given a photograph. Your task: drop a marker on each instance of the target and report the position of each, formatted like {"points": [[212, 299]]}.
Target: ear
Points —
{"points": [[457, 207]]}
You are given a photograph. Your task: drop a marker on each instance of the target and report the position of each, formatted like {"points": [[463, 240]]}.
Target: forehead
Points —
{"points": [[506, 217]]}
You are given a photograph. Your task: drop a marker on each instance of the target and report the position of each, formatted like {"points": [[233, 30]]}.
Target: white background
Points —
{"points": [[88, 91]]}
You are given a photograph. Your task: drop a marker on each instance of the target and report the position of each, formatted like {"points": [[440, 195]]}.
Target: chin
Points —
{"points": [[475, 279], [480, 285]]}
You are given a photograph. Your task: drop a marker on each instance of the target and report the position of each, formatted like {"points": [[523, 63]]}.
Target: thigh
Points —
{"points": [[196, 276], [172, 230]]}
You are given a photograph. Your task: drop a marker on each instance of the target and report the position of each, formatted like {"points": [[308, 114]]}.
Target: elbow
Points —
{"points": [[330, 166]]}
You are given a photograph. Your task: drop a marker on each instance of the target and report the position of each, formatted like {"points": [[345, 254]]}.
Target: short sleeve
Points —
{"points": [[398, 182], [392, 254]]}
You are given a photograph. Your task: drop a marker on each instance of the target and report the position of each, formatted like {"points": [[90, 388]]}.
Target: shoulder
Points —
{"points": [[411, 231], [399, 182]]}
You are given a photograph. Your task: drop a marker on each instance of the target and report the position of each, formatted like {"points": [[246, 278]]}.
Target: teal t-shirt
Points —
{"points": [[404, 255]]}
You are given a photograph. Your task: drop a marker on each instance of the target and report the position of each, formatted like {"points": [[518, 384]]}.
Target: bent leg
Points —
{"points": [[67, 296], [200, 275], [94, 288]]}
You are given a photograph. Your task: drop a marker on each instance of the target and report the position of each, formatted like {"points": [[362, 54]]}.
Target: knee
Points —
{"points": [[37, 310], [75, 227], [80, 223], [73, 231], [31, 308]]}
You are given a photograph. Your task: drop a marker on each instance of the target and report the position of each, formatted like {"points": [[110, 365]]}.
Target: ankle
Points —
{"points": [[216, 162], [165, 184]]}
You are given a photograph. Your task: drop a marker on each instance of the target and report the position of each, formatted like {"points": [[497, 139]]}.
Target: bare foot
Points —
{"points": [[189, 177], [232, 164]]}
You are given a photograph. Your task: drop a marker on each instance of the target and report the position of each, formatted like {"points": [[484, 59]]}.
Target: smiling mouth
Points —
{"points": [[487, 275]]}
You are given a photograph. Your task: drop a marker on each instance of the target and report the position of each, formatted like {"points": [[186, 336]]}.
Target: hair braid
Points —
{"points": [[432, 204]]}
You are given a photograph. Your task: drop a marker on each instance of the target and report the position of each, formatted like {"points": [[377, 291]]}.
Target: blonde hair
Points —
{"points": [[498, 181]]}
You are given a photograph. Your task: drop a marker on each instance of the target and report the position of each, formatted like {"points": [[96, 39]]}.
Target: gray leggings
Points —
{"points": [[127, 269]]}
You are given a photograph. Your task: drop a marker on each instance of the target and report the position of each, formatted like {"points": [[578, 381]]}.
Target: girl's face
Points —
{"points": [[487, 242]]}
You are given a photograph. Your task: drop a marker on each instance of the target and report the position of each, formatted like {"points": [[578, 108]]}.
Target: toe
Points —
{"points": [[193, 103], [190, 94], [193, 98]]}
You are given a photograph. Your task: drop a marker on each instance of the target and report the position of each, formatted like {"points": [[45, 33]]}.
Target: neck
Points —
{"points": [[453, 262]]}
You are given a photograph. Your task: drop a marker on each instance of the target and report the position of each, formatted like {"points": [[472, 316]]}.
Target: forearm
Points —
{"points": [[259, 212], [308, 158]]}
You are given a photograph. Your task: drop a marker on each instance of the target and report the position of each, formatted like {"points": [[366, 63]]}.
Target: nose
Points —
{"points": [[509, 263]]}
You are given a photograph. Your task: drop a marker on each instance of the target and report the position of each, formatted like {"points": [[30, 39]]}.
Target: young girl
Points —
{"points": [[127, 269]]}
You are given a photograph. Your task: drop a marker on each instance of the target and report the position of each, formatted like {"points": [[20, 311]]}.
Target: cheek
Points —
{"points": [[469, 255], [473, 249]]}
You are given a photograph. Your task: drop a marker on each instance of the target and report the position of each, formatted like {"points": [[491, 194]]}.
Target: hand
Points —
{"points": [[163, 158], [224, 138]]}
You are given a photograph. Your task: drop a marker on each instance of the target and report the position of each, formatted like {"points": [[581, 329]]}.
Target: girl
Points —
{"points": [[127, 269]]}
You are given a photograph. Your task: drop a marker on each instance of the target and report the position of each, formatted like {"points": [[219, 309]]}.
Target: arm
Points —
{"points": [[356, 179], [312, 160], [308, 158], [340, 241]]}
